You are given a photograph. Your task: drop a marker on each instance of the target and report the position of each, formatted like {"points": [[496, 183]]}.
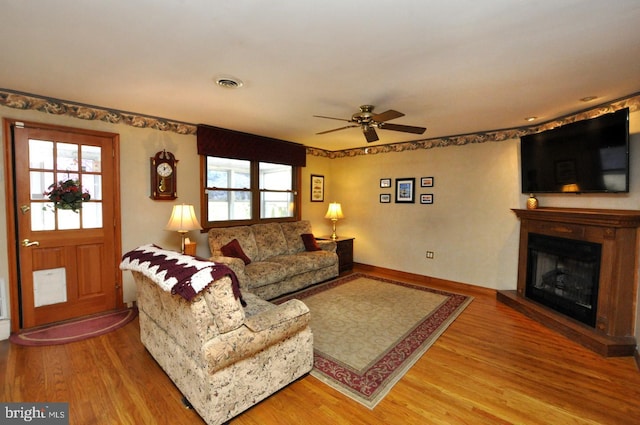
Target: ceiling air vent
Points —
{"points": [[229, 82]]}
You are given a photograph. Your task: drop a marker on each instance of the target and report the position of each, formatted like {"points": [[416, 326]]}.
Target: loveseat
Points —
{"points": [[275, 258], [223, 357]]}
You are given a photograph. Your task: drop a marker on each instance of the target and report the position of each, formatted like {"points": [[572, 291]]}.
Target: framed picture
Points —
{"points": [[405, 190], [426, 198], [426, 182], [385, 182], [317, 188], [385, 198]]}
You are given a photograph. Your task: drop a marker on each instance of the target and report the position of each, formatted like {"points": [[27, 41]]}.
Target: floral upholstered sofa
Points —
{"points": [[275, 258], [225, 351]]}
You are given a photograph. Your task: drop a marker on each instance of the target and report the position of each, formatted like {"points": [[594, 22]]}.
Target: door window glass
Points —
{"points": [[41, 154], [39, 182], [43, 216], [51, 162], [91, 159], [67, 157], [92, 183], [67, 219], [92, 215]]}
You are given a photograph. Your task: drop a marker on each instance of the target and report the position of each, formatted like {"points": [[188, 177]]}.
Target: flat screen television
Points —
{"points": [[589, 156]]}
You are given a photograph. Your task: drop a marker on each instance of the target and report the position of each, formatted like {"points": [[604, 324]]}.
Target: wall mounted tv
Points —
{"points": [[589, 156]]}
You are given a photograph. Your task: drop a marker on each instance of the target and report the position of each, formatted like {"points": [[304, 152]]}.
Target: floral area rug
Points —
{"points": [[75, 330], [369, 331]]}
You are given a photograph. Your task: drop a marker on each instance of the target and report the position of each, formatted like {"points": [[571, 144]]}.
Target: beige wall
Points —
{"points": [[470, 226], [315, 211], [143, 220]]}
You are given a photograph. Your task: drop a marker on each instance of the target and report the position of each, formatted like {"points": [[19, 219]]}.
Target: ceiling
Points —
{"points": [[455, 67]]}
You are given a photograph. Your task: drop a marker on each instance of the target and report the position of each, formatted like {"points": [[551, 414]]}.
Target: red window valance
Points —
{"points": [[220, 142]]}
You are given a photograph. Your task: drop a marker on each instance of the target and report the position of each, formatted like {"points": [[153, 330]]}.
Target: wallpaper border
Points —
{"points": [[24, 101], [632, 102]]}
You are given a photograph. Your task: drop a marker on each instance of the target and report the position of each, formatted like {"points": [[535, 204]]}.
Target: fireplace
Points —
{"points": [[563, 275], [577, 275]]}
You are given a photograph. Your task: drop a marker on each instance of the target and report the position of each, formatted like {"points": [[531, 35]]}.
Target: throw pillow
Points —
{"points": [[233, 249], [310, 243]]}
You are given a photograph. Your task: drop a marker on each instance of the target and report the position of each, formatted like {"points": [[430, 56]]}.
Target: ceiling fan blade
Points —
{"points": [[332, 118], [370, 134], [338, 129], [387, 115], [404, 128]]}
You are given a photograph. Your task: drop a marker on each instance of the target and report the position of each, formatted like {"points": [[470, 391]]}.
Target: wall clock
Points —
{"points": [[163, 176]]}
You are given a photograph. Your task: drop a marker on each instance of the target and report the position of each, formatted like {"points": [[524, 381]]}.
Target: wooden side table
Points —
{"points": [[345, 252]]}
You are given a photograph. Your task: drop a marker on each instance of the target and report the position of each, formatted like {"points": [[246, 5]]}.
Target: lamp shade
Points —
{"points": [[183, 218], [334, 212]]}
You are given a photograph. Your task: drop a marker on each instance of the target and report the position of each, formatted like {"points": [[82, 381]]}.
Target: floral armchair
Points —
{"points": [[222, 356]]}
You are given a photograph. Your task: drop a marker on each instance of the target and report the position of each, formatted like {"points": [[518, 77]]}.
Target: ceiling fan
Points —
{"points": [[369, 121]]}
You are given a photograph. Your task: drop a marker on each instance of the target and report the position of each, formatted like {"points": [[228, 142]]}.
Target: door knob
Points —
{"points": [[27, 242]]}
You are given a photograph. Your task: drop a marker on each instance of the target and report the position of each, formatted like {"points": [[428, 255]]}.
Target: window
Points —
{"points": [[52, 161], [246, 192]]}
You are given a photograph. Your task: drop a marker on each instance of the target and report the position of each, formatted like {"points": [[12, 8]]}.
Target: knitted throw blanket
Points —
{"points": [[179, 274]]}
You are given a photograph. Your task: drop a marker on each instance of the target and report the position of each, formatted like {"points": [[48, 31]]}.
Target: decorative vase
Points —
{"points": [[532, 202]]}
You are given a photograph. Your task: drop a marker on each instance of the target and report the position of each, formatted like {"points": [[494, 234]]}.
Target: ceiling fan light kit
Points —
{"points": [[368, 122]]}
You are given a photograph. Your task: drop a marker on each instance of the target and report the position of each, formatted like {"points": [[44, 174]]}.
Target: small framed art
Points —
{"points": [[426, 198], [385, 182], [317, 188], [385, 198], [405, 190], [426, 182]]}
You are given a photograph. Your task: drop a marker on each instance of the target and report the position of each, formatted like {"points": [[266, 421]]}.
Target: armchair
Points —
{"points": [[222, 356]]}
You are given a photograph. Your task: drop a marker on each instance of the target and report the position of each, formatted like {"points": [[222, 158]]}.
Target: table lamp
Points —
{"points": [[183, 218], [334, 213]]}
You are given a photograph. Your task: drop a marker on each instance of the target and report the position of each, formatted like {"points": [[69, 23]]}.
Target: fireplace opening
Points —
{"points": [[563, 274]]}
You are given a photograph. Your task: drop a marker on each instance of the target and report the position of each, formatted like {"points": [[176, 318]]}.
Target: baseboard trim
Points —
{"points": [[432, 282], [636, 355]]}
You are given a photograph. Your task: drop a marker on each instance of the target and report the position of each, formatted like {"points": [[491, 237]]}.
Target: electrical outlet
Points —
{"points": [[430, 255]]}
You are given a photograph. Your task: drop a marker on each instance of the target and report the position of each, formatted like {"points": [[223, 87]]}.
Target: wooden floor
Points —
{"points": [[491, 366]]}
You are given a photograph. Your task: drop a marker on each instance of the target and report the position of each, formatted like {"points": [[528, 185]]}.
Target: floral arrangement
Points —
{"points": [[67, 195]]}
